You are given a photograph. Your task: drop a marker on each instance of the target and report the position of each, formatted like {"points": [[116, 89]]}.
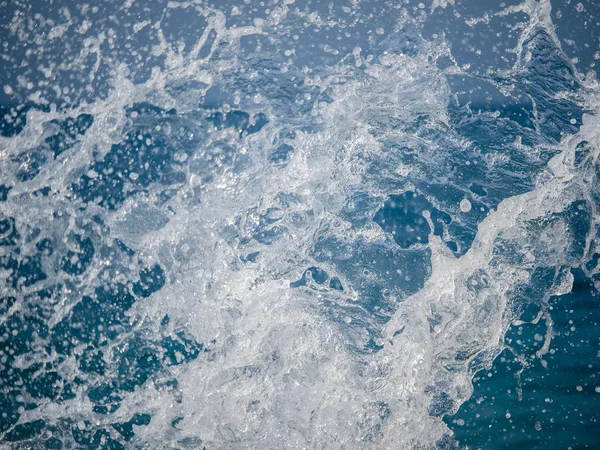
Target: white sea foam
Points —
{"points": [[280, 372]]}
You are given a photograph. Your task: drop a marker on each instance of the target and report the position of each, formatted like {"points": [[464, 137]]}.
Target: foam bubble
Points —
{"points": [[465, 205]]}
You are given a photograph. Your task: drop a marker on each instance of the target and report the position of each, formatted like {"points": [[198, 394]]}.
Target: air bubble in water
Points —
{"points": [[465, 205]]}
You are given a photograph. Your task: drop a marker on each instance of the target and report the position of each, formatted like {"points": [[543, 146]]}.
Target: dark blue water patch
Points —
{"points": [[6, 303], [125, 429], [106, 308], [69, 129], [478, 189], [547, 59], [593, 262], [96, 321], [318, 276], [42, 192], [145, 156], [24, 271], [18, 334], [484, 46], [290, 95], [311, 274], [151, 280], [250, 257], [75, 262], [402, 215], [537, 407], [310, 41], [554, 114], [579, 217], [214, 97], [595, 194], [208, 45], [91, 437], [4, 190], [25, 431], [183, 26], [62, 139], [239, 120], [281, 154], [8, 232], [462, 230], [481, 96], [367, 266], [335, 283], [92, 361], [574, 27]]}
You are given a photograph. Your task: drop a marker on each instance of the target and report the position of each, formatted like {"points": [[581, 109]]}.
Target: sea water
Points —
{"points": [[298, 224]]}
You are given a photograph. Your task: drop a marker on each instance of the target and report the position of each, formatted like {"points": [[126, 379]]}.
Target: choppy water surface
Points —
{"points": [[295, 224]]}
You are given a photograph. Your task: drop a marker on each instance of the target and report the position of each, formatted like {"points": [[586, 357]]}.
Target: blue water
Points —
{"points": [[299, 225], [519, 403]]}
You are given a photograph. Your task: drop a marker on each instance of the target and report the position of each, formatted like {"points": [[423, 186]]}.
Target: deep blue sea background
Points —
{"points": [[75, 268]]}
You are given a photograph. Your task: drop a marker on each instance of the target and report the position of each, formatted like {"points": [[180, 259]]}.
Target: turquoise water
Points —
{"points": [[299, 224], [522, 403]]}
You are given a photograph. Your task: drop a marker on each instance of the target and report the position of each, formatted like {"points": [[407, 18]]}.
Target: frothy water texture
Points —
{"points": [[285, 224]]}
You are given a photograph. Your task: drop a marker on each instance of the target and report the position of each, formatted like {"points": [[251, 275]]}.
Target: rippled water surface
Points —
{"points": [[299, 224]]}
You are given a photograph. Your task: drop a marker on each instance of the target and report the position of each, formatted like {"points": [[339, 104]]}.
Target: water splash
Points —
{"points": [[223, 242]]}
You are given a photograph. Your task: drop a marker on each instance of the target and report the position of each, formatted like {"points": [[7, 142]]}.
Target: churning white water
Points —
{"points": [[252, 176]]}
